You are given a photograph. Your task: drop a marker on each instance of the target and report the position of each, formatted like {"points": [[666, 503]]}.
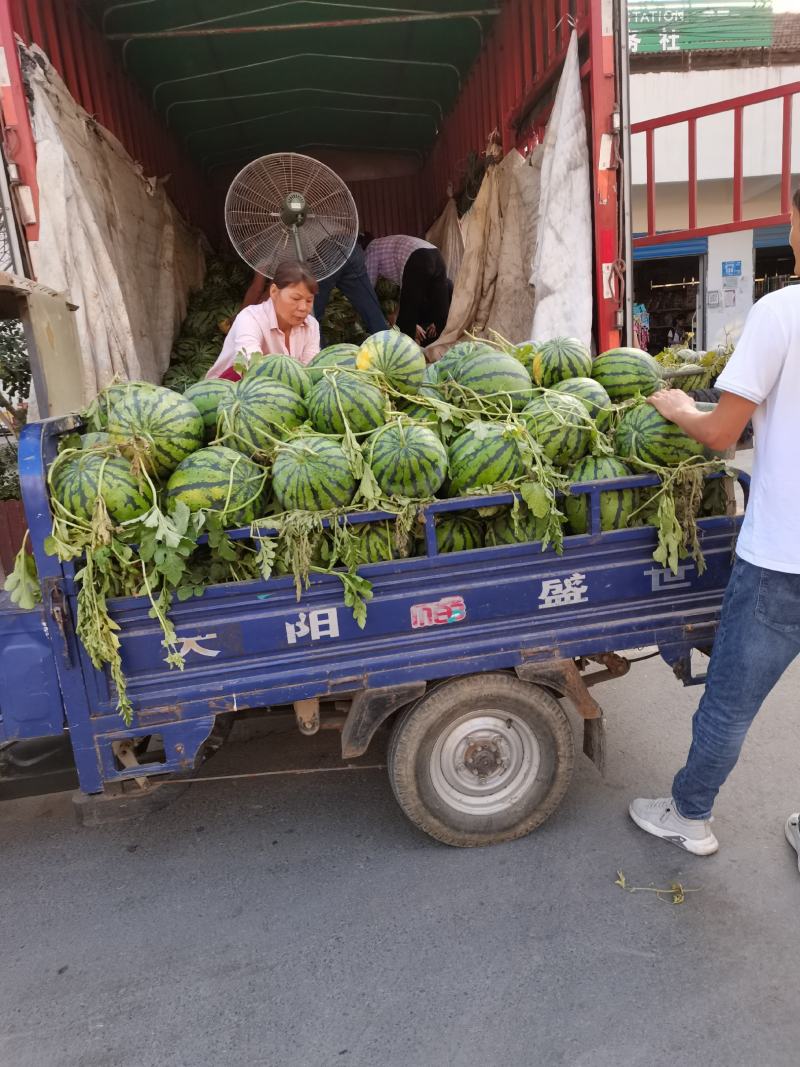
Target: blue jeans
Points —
{"points": [[758, 637], [352, 279]]}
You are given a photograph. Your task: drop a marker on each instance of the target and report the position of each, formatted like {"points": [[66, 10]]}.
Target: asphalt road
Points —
{"points": [[300, 920]]}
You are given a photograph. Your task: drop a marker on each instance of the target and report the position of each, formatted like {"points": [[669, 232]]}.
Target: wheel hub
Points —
{"points": [[482, 763]]}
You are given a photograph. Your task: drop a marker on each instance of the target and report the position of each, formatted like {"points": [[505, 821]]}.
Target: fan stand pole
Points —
{"points": [[297, 246]]}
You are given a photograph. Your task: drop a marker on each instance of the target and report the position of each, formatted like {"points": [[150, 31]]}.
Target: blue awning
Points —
{"points": [[771, 237], [695, 246]]}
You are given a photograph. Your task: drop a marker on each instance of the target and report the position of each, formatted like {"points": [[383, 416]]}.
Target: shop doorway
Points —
{"points": [[774, 269], [668, 297]]}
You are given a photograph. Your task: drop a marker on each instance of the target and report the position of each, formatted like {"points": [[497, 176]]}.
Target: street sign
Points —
{"points": [[731, 268], [691, 25]]}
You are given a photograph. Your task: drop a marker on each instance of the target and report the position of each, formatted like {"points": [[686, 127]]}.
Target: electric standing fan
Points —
{"points": [[288, 206]]}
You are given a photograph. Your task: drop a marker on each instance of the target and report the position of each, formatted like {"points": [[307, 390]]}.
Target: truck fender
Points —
{"points": [[369, 709]]}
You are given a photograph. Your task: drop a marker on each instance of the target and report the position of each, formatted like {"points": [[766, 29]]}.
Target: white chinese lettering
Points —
{"points": [[192, 644], [559, 592], [669, 42], [316, 624], [664, 579], [634, 40]]}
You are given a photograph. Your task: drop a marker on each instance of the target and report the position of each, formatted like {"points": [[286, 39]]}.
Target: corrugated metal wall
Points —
{"points": [[93, 75]]}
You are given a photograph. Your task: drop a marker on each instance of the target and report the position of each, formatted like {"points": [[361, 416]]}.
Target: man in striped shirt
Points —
{"points": [[418, 268]]}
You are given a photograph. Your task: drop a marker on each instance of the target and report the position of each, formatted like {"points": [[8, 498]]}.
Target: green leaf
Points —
{"points": [[23, 582], [538, 498]]}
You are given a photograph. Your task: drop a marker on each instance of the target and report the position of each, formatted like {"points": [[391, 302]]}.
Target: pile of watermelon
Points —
{"points": [[376, 426], [209, 317]]}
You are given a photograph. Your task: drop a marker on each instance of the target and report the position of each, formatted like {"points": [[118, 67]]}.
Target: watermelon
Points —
{"points": [[96, 440], [627, 372], [502, 530], [483, 454], [333, 356], [562, 426], [281, 368], [78, 480], [616, 505], [206, 396], [219, 479], [563, 357], [591, 394], [447, 366], [397, 358], [496, 376], [311, 473], [374, 542], [258, 410], [179, 377], [430, 388], [343, 395], [97, 414], [407, 460], [458, 533], [161, 426], [646, 435], [196, 354]]}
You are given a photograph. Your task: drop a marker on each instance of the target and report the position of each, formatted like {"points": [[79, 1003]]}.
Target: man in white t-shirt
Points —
{"points": [[759, 630]]}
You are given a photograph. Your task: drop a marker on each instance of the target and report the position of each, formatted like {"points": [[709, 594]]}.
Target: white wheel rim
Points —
{"points": [[484, 763]]}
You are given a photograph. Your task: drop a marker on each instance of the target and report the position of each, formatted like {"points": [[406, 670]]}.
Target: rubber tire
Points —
{"points": [[417, 729], [705, 396]]}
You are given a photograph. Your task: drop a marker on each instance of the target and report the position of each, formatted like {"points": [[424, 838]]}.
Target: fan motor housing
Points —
{"points": [[293, 212]]}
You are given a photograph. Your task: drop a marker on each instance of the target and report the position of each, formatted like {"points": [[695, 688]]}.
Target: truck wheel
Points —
{"points": [[481, 760]]}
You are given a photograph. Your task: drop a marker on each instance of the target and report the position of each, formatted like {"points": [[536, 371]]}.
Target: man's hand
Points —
{"points": [[671, 403], [719, 429]]}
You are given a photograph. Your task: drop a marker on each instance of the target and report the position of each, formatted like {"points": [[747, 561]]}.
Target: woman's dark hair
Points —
{"points": [[292, 272], [796, 198]]}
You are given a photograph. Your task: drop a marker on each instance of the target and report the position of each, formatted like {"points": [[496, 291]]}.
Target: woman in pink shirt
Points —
{"points": [[283, 323]]}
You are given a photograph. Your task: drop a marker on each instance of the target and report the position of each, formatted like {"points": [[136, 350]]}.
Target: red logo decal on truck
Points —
{"points": [[438, 613]]}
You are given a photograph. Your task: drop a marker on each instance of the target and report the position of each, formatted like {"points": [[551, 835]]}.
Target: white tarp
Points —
{"points": [[562, 264], [109, 237]]}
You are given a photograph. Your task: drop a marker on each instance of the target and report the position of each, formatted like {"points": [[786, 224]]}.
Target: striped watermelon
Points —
{"points": [[447, 366], [495, 376], [430, 388], [563, 357], [616, 505], [206, 396], [97, 414], [590, 393], [407, 460], [281, 368], [627, 372], [483, 454], [374, 542], [77, 481], [342, 395], [458, 533], [502, 530], [96, 440], [562, 426], [646, 435], [311, 473], [162, 426], [219, 479], [396, 357], [256, 411], [333, 356]]}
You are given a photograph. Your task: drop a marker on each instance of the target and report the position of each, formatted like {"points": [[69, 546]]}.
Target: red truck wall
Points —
{"points": [[509, 88]]}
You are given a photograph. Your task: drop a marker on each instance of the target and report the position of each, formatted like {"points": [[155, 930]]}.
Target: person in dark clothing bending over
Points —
{"points": [[418, 268]]}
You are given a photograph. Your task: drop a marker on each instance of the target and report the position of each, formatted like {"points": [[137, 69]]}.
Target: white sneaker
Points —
{"points": [[793, 834], [659, 817]]}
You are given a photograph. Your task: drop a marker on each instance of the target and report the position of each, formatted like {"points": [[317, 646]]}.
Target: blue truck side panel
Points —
{"points": [[255, 644], [30, 699]]}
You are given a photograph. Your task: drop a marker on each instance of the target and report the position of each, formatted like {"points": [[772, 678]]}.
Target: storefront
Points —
{"points": [[669, 294]]}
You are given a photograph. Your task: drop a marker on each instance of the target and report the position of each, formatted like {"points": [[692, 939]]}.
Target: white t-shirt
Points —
{"points": [[765, 368]]}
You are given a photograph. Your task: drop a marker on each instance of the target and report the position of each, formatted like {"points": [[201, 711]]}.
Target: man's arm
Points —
{"points": [[256, 291], [718, 429]]}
